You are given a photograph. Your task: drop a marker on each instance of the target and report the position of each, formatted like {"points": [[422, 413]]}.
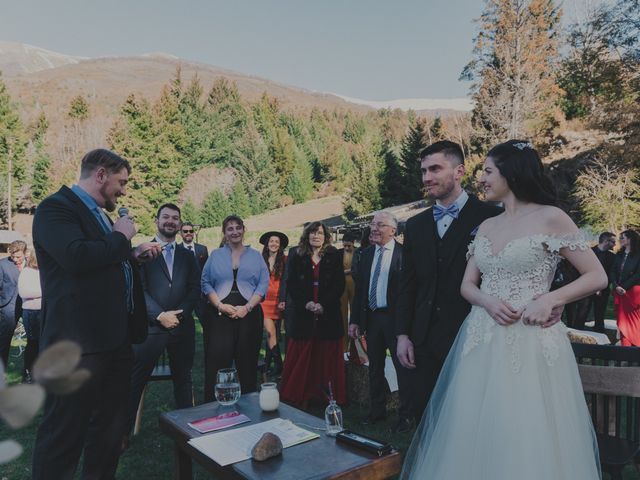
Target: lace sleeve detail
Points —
{"points": [[572, 241], [471, 249]]}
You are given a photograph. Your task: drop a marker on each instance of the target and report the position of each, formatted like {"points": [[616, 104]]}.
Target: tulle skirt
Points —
{"points": [[508, 405]]}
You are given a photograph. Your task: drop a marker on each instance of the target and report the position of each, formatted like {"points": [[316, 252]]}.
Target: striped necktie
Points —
{"points": [[373, 289]]}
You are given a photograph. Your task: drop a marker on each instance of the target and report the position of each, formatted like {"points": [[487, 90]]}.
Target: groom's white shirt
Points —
{"points": [[445, 222]]}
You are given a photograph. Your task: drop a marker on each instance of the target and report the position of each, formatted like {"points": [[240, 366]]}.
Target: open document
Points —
{"points": [[235, 445]]}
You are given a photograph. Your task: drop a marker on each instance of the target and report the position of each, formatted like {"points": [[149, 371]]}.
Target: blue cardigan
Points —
{"points": [[253, 274]]}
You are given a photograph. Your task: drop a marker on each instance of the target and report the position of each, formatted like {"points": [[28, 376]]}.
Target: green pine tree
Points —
{"points": [[40, 182], [214, 209], [413, 142], [392, 181], [239, 203], [13, 145]]}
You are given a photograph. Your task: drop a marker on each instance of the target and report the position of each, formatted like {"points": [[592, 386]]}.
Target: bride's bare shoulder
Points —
{"points": [[556, 220], [487, 225]]}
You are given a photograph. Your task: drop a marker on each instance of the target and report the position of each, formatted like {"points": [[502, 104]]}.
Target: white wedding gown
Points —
{"points": [[509, 403]]}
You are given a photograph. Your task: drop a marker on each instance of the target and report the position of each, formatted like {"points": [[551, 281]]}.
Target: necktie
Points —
{"points": [[126, 268], [373, 289], [439, 211], [190, 247], [168, 258]]}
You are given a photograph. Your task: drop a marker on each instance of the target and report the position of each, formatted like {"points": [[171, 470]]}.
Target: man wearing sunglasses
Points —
{"points": [[200, 251]]}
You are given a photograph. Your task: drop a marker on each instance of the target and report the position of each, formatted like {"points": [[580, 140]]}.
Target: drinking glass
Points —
{"points": [[227, 389]]}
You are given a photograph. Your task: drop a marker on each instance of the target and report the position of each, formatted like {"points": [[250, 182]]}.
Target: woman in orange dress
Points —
{"points": [[273, 254], [625, 277]]}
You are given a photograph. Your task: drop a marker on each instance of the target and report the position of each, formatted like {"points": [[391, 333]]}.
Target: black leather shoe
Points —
{"points": [[372, 419], [404, 425]]}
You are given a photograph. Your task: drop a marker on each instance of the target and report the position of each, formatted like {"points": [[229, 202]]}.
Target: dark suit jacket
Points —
{"points": [[300, 287], [9, 299], [606, 259], [83, 285], [201, 255], [360, 306], [430, 307], [630, 274], [163, 293]]}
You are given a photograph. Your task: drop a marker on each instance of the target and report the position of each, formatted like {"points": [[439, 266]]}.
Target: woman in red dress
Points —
{"points": [[273, 254], [315, 282], [625, 276]]}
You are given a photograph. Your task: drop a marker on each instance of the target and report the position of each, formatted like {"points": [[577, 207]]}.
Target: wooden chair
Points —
{"points": [[162, 371], [611, 380]]}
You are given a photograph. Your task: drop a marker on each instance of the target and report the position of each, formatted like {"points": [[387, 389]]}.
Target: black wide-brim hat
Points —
{"points": [[284, 240]]}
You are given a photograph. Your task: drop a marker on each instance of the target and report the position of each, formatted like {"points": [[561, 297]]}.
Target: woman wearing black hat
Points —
{"points": [[273, 254]]}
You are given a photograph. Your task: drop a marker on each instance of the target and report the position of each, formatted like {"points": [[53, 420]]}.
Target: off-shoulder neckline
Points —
{"points": [[575, 235]]}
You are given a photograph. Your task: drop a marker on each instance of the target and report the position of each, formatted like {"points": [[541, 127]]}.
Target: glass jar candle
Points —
{"points": [[269, 397]]}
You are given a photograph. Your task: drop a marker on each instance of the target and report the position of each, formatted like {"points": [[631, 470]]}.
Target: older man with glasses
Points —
{"points": [[373, 313]]}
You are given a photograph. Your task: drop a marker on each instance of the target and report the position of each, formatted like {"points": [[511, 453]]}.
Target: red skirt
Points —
{"points": [[309, 366], [627, 308]]}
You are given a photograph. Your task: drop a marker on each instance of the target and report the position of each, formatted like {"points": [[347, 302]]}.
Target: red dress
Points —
{"points": [[270, 303], [627, 308], [311, 364]]}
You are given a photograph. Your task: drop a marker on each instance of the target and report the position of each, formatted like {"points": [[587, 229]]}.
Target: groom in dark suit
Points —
{"points": [[171, 289], [430, 308], [91, 294]]}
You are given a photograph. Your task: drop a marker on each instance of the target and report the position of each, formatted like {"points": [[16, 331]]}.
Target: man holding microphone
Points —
{"points": [[91, 295]]}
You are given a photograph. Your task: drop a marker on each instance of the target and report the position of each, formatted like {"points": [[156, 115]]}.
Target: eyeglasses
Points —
{"points": [[187, 231], [379, 225]]}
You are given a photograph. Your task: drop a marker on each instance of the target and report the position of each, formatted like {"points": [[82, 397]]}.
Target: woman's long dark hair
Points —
{"points": [[278, 266], [634, 242], [304, 247], [520, 164]]}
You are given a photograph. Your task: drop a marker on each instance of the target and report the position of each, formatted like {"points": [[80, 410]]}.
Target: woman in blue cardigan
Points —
{"points": [[235, 280]]}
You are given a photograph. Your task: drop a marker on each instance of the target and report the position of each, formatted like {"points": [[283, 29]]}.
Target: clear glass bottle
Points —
{"points": [[333, 418]]}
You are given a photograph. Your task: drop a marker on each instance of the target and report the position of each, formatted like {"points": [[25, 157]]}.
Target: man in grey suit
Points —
{"points": [[171, 289], [10, 305]]}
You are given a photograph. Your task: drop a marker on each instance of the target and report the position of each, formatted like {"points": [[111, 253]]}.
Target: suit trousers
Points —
{"points": [[8, 322], [380, 337], [181, 350], [423, 378], [234, 342], [599, 304], [92, 418]]}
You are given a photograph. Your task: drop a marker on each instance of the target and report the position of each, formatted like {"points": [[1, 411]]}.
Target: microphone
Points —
{"points": [[123, 212]]}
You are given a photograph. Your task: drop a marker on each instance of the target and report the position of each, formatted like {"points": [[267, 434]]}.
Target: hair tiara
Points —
{"points": [[523, 145]]}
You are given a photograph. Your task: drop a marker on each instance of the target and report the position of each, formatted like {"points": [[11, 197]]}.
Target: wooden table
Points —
{"points": [[316, 459]]}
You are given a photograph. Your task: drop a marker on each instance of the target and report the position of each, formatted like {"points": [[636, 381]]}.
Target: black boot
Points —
{"points": [[277, 359], [268, 356]]}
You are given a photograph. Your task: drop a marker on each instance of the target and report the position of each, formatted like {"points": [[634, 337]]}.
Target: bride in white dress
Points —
{"points": [[509, 403]]}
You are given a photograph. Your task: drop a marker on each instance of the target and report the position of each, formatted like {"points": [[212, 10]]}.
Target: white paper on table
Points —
{"points": [[233, 446]]}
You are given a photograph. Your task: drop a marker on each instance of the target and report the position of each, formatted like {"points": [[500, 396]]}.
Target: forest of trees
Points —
{"points": [[529, 79]]}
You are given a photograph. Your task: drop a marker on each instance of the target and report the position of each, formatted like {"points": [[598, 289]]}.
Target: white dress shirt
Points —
{"points": [[445, 222], [383, 279]]}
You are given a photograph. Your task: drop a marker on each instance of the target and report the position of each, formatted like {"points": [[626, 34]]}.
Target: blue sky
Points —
{"points": [[374, 50]]}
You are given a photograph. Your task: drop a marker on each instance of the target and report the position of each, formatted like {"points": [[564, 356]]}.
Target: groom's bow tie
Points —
{"points": [[439, 211]]}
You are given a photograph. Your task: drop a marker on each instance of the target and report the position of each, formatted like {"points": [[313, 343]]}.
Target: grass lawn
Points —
{"points": [[151, 456]]}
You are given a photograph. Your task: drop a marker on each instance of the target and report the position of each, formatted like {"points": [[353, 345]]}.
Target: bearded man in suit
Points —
{"points": [[171, 289], [91, 294]]}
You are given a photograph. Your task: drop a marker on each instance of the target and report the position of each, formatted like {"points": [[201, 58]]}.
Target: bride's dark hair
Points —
{"points": [[520, 164]]}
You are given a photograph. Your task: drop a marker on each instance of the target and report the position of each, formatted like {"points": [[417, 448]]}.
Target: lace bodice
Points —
{"points": [[523, 268]]}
